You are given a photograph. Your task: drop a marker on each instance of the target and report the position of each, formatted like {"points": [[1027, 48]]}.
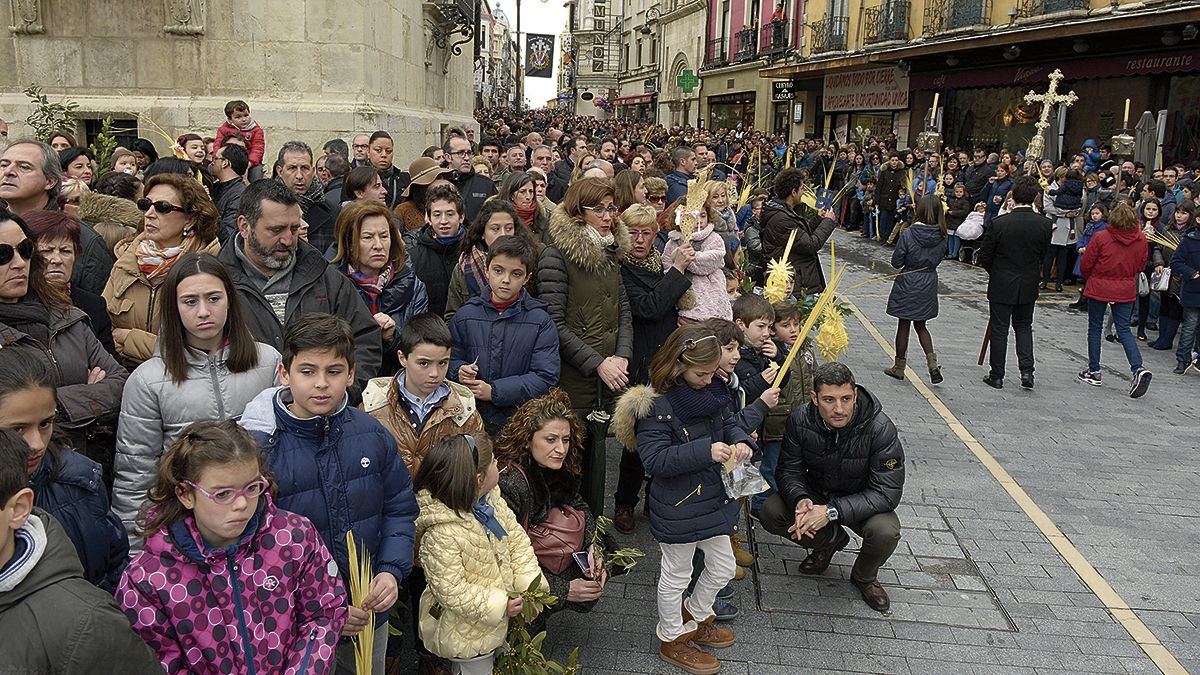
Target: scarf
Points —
{"points": [[697, 404], [605, 241], [29, 317], [372, 287], [446, 241], [249, 125], [527, 214], [473, 265], [155, 262], [486, 515]]}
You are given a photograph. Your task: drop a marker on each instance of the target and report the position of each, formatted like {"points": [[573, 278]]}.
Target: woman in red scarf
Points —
{"points": [[371, 252], [519, 190]]}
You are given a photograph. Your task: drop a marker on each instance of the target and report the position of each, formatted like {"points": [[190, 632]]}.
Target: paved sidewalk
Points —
{"points": [[976, 587]]}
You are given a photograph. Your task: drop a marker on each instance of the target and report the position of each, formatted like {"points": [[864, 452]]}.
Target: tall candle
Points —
{"points": [[1126, 123], [933, 111]]}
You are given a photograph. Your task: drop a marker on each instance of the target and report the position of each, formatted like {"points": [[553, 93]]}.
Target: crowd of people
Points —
{"points": [[216, 379]]}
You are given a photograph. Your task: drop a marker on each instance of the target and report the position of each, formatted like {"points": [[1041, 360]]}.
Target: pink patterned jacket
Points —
{"points": [[274, 595]]}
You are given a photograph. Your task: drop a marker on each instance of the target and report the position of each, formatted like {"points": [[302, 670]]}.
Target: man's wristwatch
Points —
{"points": [[831, 512]]}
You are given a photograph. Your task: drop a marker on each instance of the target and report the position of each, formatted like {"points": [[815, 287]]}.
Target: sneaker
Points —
{"points": [[1091, 377], [724, 609], [684, 652], [1027, 380], [1111, 337], [1181, 367], [1141, 382], [994, 382], [727, 592]]}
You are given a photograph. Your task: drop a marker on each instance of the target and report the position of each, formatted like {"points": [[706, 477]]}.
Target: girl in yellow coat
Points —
{"points": [[474, 553]]}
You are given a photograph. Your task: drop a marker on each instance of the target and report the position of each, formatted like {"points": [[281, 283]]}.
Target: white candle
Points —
{"points": [[1126, 123], [933, 111]]}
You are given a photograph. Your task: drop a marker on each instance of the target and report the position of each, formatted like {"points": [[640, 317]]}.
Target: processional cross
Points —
{"points": [[1051, 98]]}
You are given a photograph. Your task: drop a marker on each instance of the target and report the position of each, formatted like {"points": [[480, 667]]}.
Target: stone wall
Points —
{"points": [[310, 69]]}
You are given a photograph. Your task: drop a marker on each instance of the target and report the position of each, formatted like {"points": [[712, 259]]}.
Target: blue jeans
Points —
{"points": [[770, 460], [1189, 335], [953, 245], [1121, 312]]}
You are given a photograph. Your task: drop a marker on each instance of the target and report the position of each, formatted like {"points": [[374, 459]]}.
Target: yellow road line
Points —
{"points": [[1103, 591]]}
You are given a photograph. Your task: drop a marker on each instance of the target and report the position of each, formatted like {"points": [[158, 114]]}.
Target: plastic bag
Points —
{"points": [[1161, 281], [743, 481]]}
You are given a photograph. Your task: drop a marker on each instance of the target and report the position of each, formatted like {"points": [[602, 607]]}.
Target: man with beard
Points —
{"points": [[279, 277], [475, 189]]}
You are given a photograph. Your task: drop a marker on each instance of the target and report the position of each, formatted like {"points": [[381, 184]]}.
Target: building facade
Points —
{"points": [[311, 70], [638, 80], [874, 67], [682, 26], [496, 68], [595, 27]]}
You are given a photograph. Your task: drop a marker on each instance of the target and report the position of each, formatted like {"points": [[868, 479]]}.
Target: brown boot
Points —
{"points": [[873, 594], [818, 561], [935, 371], [683, 652], [739, 573], [708, 633], [897, 369], [623, 518], [740, 554]]}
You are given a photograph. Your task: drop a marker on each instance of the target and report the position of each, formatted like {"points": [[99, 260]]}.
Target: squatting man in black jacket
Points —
{"points": [[841, 464]]}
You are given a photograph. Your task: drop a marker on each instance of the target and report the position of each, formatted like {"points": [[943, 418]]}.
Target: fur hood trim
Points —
{"points": [[100, 208], [575, 245], [633, 406]]}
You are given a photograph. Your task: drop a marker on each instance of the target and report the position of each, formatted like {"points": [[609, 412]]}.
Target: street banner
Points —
{"points": [[539, 55]]}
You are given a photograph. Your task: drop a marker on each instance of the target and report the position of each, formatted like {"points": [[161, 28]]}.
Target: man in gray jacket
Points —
{"points": [[278, 277]]}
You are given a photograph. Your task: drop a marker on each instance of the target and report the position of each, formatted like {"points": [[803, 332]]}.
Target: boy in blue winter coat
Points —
{"points": [[505, 347], [338, 467]]}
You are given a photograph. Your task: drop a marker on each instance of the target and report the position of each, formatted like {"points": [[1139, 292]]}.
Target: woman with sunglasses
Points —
{"points": [[179, 218], [37, 313], [579, 276], [207, 366], [213, 534]]}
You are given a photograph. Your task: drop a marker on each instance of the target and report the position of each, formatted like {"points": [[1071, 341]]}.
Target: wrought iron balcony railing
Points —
{"points": [[829, 34], [1030, 8], [745, 45], [717, 53], [945, 15], [887, 22], [774, 38]]}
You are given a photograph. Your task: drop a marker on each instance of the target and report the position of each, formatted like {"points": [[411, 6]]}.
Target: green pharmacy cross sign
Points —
{"points": [[687, 81]]}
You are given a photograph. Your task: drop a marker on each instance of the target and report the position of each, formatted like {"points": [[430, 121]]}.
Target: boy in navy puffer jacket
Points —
{"points": [[1068, 196], [338, 467]]}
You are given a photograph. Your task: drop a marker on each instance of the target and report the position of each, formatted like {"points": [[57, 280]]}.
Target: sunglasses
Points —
{"points": [[657, 199], [226, 496], [162, 206], [25, 249]]}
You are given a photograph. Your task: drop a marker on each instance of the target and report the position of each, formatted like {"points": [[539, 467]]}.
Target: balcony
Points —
{"points": [[745, 45], [829, 34], [887, 22], [1027, 9], [774, 38], [717, 53], [948, 15]]}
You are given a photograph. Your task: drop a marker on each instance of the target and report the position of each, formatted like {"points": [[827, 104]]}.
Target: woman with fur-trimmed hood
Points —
{"points": [[579, 277], [115, 219]]}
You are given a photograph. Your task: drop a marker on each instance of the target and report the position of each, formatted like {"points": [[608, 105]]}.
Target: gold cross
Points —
{"points": [[1048, 100]]}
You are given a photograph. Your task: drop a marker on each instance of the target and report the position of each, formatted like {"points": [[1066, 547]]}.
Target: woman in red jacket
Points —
{"points": [[1111, 262]]}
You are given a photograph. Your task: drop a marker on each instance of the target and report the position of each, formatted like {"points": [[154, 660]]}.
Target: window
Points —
{"points": [[639, 54], [653, 50]]}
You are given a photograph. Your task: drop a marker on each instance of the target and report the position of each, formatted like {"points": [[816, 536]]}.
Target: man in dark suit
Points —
{"points": [[1012, 253]]}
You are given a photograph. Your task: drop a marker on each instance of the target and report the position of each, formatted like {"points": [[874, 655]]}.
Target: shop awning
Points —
{"points": [[635, 100], [1173, 61]]}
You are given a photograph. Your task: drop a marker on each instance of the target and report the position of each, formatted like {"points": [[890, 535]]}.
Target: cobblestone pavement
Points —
{"points": [[975, 585]]}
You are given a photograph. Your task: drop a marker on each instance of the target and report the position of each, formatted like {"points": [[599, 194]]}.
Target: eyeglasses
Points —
{"points": [[162, 206], [689, 345], [364, 146], [657, 199], [226, 496], [460, 153], [600, 210], [25, 248]]}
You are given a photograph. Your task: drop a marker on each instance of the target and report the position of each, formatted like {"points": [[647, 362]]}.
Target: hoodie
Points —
{"points": [[53, 621], [1111, 261]]}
